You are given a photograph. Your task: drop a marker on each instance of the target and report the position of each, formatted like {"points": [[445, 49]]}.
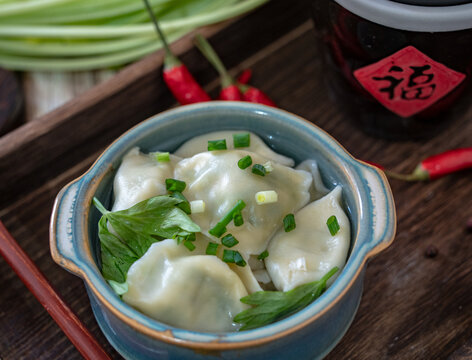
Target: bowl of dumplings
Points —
{"points": [[223, 229]]}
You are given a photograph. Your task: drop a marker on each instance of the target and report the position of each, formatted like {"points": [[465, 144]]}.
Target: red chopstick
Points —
{"points": [[37, 283]]}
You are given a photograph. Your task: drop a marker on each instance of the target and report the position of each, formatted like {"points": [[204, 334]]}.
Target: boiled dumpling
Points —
{"points": [[309, 251], [199, 144], [317, 189], [139, 178], [197, 292], [215, 178]]}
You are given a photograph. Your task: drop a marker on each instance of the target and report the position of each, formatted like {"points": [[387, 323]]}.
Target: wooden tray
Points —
{"points": [[413, 307]]}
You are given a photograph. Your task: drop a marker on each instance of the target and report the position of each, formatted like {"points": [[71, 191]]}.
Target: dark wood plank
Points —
{"points": [[413, 307]]}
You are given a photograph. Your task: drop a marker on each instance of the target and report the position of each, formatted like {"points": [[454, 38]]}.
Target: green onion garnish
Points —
{"points": [[163, 157], [258, 169], [175, 185], [185, 236], [238, 259], [228, 256], [232, 256], [211, 248], [220, 228], [245, 162], [189, 245], [184, 205], [289, 222], [333, 225], [229, 240], [263, 255], [217, 145], [238, 219], [241, 140]]}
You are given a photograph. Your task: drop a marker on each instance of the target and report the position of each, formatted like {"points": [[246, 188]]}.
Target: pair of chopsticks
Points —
{"points": [[37, 283]]}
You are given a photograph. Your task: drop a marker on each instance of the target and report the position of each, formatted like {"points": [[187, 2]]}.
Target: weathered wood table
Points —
{"points": [[413, 307]]}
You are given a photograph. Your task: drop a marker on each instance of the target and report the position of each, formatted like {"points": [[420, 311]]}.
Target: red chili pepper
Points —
{"points": [[230, 92], [446, 163], [435, 166], [245, 76], [247, 92], [179, 80], [254, 95]]}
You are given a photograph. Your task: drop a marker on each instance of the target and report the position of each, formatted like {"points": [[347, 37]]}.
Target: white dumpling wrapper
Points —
{"points": [[139, 178], [308, 252], [197, 292], [215, 178], [199, 144], [317, 189]]}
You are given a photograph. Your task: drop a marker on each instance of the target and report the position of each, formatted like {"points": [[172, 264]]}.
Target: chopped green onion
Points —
{"points": [[197, 206], [229, 240], [263, 255], [266, 197], [333, 225], [189, 245], [268, 167], [220, 228], [289, 222], [217, 145], [238, 219], [211, 248], [118, 288], [175, 185], [184, 205], [162, 157], [245, 162], [238, 259], [241, 140], [228, 256], [232, 256], [258, 169]]}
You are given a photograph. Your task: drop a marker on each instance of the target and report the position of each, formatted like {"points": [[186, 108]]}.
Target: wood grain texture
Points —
{"points": [[413, 307]]}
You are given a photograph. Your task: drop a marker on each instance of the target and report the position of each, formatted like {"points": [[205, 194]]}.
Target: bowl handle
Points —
{"points": [[61, 237], [382, 207]]}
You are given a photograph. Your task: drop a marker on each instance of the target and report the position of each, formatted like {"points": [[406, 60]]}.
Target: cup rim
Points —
{"points": [[211, 341], [403, 16]]}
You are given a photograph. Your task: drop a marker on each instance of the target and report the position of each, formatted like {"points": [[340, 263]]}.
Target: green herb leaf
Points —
{"points": [[211, 248], [116, 255], [259, 169], [184, 205], [289, 222], [241, 140], [217, 145], [175, 185], [137, 228], [333, 225], [118, 288], [189, 245], [271, 306], [245, 162], [263, 255], [229, 240]]}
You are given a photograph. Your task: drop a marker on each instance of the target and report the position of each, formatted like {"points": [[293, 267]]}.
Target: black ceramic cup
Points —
{"points": [[400, 69]]}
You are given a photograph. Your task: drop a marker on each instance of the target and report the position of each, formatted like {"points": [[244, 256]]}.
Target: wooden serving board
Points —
{"points": [[413, 307]]}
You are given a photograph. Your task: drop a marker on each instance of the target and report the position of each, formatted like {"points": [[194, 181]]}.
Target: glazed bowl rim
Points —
{"points": [[88, 271]]}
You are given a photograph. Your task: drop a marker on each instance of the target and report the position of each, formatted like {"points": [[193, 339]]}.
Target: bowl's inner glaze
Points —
{"points": [[292, 139]]}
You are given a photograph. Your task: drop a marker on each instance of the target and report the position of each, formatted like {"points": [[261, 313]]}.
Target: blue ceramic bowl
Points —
{"points": [[310, 333]]}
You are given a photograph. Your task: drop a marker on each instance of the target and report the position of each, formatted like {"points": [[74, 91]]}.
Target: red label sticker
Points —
{"points": [[408, 81]]}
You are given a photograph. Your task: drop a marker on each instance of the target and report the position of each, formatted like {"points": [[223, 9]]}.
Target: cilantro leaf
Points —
{"points": [[137, 228], [271, 306]]}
